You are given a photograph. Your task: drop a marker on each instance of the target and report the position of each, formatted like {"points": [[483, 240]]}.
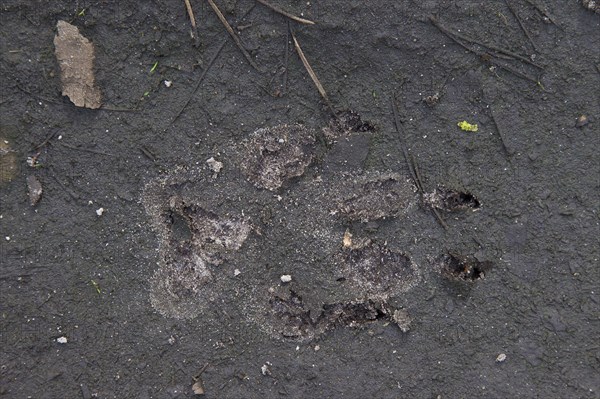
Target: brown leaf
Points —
{"points": [[75, 56]]}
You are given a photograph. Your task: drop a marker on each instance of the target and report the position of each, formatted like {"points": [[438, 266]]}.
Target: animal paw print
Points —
{"points": [[275, 213]]}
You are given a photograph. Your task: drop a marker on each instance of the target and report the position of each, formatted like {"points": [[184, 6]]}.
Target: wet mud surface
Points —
{"points": [[223, 226]]}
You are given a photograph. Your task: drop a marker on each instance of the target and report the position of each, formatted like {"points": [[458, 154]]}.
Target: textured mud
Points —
{"points": [[153, 258]]}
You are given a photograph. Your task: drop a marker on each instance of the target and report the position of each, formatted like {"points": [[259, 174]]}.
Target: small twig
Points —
{"points": [[103, 108], [210, 63], [499, 131], [46, 141], [285, 13], [86, 150], [312, 73], [199, 373], [413, 168], [286, 59], [449, 33], [516, 15], [418, 175], [190, 12], [484, 56], [543, 12], [235, 37], [435, 212], [72, 194], [515, 72], [49, 100], [402, 147], [148, 153]]}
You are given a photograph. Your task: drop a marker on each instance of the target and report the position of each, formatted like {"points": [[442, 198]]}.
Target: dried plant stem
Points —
{"points": [[312, 73], [285, 13], [509, 53], [235, 37], [190, 12]]}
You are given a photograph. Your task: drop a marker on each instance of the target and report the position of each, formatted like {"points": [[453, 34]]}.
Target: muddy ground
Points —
{"points": [[178, 280]]}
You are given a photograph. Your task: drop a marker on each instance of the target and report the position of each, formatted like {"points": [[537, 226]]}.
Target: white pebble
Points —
{"points": [[7, 238], [61, 340], [265, 370], [168, 83], [237, 272], [99, 211], [501, 357], [286, 278], [214, 165]]}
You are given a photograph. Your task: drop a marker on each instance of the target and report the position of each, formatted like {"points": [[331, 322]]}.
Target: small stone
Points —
{"points": [[35, 189], [402, 319], [265, 370], [198, 388], [582, 121], [237, 272], [7, 238], [61, 340], [214, 165], [317, 348], [286, 278], [501, 357], [168, 83], [99, 211], [347, 241]]}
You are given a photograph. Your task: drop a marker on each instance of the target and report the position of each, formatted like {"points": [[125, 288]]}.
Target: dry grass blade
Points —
{"points": [[285, 13], [235, 38], [516, 15], [312, 73], [210, 63], [413, 168], [190, 12], [449, 33]]}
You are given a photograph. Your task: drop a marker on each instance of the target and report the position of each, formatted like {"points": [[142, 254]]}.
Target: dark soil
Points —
{"points": [[161, 270]]}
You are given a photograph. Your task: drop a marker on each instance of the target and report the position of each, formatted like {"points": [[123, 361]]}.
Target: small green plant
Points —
{"points": [[467, 127]]}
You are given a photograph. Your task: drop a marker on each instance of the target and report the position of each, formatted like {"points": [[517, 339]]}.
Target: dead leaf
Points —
{"points": [[75, 56]]}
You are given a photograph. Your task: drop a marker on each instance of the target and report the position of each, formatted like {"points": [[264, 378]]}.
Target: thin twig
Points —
{"points": [[86, 150], [402, 147], [413, 168], [516, 15], [286, 59], [235, 37], [515, 72], [435, 212], [112, 109], [210, 63], [190, 12], [543, 12], [482, 55], [449, 32], [47, 140], [199, 373], [285, 13], [312, 73], [71, 193], [49, 100], [148, 153], [499, 131]]}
